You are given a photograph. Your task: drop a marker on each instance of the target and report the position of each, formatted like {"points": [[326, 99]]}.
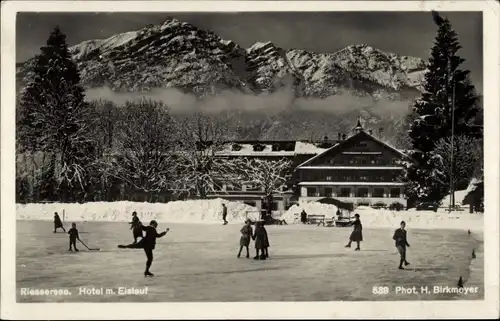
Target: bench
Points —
{"points": [[330, 222], [316, 219], [343, 222]]}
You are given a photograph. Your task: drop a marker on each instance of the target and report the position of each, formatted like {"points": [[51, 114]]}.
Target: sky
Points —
{"points": [[404, 33]]}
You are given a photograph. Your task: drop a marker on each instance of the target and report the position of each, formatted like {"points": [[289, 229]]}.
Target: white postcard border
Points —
{"points": [[487, 308]]}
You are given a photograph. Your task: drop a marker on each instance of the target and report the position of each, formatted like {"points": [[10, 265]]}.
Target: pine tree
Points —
{"points": [[446, 88], [53, 114]]}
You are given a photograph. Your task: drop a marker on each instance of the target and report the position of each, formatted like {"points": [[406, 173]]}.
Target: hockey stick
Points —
{"points": [[97, 249]]}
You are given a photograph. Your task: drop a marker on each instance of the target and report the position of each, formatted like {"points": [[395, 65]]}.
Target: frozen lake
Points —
{"points": [[197, 262]]}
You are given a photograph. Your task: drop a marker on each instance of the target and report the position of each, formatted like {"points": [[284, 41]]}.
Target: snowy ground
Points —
{"points": [[192, 211], [383, 218], [197, 262]]}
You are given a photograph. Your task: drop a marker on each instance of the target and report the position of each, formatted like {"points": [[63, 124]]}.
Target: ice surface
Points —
{"points": [[198, 263]]}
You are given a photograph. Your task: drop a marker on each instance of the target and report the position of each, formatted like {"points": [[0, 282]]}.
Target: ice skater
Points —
{"points": [[266, 241], [135, 226], [357, 233], [224, 213], [73, 236], [58, 223], [401, 244], [260, 238], [148, 243], [246, 234]]}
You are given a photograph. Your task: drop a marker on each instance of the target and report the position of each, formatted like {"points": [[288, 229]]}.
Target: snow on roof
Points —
{"points": [[301, 148], [307, 148]]}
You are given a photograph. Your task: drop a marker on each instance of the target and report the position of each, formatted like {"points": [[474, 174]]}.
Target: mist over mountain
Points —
{"points": [[269, 92]]}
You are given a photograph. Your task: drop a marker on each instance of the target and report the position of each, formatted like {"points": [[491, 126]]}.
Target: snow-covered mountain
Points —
{"points": [[176, 54], [179, 55]]}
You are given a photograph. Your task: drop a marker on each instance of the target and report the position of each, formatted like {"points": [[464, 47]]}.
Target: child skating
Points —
{"points": [[401, 243], [135, 226], [357, 233], [73, 236], [58, 223], [148, 243], [246, 234]]}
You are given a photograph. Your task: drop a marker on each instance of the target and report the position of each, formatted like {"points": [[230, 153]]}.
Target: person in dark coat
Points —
{"points": [[266, 242], [303, 217], [224, 213], [58, 223], [148, 243], [246, 235], [73, 236], [136, 227], [401, 243], [259, 237], [357, 234]]}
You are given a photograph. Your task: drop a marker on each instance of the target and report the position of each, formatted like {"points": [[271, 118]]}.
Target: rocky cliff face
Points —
{"points": [[178, 55]]}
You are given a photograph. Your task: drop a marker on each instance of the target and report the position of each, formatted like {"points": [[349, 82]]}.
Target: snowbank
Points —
{"points": [[193, 211], [376, 218], [311, 208], [459, 197], [420, 219]]}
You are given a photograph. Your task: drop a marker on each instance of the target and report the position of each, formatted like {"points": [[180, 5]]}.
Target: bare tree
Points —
{"points": [[270, 175], [199, 167], [141, 154], [467, 157]]}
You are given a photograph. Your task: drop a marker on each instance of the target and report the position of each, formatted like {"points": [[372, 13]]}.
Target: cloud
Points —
{"points": [[265, 103]]}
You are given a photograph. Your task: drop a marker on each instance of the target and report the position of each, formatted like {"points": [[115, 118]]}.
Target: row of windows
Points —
{"points": [[346, 192], [362, 160], [351, 176], [234, 187]]}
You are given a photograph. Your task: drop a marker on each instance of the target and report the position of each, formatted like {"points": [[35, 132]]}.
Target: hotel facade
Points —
{"points": [[360, 169]]}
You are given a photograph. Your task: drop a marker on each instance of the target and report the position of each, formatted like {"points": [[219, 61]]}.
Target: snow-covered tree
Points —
{"points": [[448, 95], [467, 157], [141, 154], [271, 176], [54, 117], [199, 168]]}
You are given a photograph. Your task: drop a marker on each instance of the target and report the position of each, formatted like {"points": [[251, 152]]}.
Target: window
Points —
{"points": [[274, 206], [345, 192], [378, 192], [362, 192], [233, 187], [327, 192], [311, 191], [328, 178], [250, 203], [363, 178], [395, 192], [252, 188], [218, 186]]}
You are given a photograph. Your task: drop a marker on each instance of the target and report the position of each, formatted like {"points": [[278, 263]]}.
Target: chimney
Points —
{"points": [[380, 131], [344, 136], [370, 131], [325, 138], [340, 136]]}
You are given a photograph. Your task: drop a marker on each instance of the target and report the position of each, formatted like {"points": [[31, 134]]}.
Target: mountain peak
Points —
{"points": [[177, 54]]}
